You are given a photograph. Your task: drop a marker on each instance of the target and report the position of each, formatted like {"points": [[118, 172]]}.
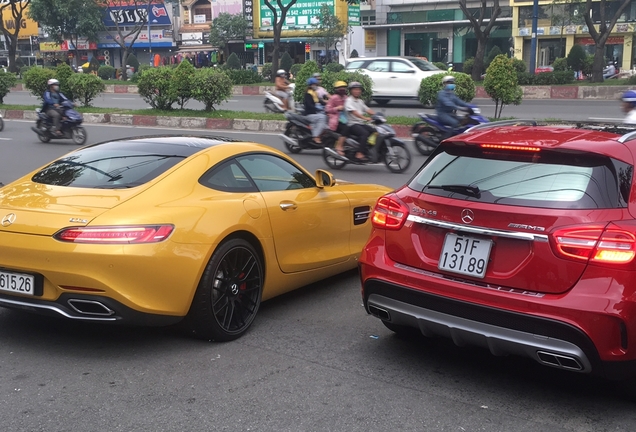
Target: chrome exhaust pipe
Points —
{"points": [[90, 307], [292, 142], [383, 314], [336, 155], [560, 361]]}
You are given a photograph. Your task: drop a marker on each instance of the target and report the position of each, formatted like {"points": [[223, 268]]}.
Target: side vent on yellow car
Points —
{"points": [[361, 215]]}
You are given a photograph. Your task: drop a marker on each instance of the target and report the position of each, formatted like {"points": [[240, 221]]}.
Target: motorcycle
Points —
{"points": [[383, 146], [297, 136], [430, 132], [274, 104], [69, 125], [1, 123]]}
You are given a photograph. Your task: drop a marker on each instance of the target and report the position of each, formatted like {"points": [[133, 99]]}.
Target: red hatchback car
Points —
{"points": [[517, 238]]}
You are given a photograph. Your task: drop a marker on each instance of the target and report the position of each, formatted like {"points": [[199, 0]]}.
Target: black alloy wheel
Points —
{"points": [[229, 293]]}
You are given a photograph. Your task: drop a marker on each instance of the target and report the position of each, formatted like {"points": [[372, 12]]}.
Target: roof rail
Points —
{"points": [[627, 137], [503, 123]]}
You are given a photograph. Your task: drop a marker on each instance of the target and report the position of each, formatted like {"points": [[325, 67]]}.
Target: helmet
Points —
{"points": [[317, 75], [629, 96], [339, 84], [52, 81], [281, 72], [448, 79], [355, 84], [312, 81]]}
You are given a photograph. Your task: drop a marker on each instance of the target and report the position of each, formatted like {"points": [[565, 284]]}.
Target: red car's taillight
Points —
{"points": [[115, 234], [389, 213], [595, 243]]}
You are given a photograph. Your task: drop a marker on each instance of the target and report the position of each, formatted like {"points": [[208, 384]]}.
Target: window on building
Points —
{"points": [[368, 20], [204, 11]]}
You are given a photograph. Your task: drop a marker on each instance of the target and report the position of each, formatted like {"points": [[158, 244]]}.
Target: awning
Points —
{"points": [[285, 40], [196, 48], [427, 24]]}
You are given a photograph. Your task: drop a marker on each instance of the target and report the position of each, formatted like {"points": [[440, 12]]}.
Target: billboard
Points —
{"points": [[28, 27], [134, 15], [301, 16]]}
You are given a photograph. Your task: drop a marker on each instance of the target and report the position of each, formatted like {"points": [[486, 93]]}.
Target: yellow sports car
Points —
{"points": [[152, 230]]}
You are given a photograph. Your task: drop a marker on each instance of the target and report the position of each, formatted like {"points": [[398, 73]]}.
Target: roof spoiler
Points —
{"points": [[627, 131]]}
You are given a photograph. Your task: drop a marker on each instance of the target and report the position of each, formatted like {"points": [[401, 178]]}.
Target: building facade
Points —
{"points": [[560, 26]]}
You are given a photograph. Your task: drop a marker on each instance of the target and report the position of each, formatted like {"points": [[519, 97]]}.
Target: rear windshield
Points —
{"points": [[115, 165], [424, 64], [547, 179]]}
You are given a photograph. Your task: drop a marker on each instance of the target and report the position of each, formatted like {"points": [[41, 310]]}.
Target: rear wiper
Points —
{"points": [[462, 189]]}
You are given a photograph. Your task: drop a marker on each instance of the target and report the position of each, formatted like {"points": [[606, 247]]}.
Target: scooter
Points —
{"points": [[383, 146], [430, 132], [1, 123], [69, 125], [298, 137], [274, 104]]}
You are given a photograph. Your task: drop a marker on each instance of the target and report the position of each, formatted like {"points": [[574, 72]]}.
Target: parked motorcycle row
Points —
{"points": [[383, 145]]}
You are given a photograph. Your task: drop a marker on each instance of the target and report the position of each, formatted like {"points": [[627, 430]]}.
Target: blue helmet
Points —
{"points": [[629, 96], [312, 81]]}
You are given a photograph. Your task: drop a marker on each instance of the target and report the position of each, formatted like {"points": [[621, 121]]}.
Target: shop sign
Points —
{"points": [[199, 19], [67, 46], [248, 14], [369, 39], [134, 15], [193, 38], [28, 27], [302, 15], [612, 40], [353, 15], [107, 40]]}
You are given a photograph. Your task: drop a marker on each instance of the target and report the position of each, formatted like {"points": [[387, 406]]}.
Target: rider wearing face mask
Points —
{"points": [[336, 113], [53, 103], [448, 103]]}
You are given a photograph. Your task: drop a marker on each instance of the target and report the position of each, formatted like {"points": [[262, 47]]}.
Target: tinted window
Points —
{"points": [[424, 65], [228, 177], [400, 67], [379, 66], [355, 64], [547, 179], [114, 165], [271, 173]]}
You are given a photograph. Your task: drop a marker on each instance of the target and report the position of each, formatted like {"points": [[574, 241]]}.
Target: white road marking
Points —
{"points": [[6, 139], [126, 98], [605, 119]]}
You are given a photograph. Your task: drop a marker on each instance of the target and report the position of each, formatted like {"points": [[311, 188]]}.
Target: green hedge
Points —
{"points": [[429, 87]]}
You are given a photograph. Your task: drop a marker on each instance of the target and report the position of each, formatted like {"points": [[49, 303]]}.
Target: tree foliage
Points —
{"points": [[68, 19], [501, 83], [63, 72], [279, 9], [482, 30], [7, 81], [576, 57], [430, 86], [327, 29], [86, 87], [227, 27], [286, 62], [233, 62], [309, 68], [211, 87], [35, 80], [183, 82]]}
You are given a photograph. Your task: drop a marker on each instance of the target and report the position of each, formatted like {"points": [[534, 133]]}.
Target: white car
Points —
{"points": [[394, 77]]}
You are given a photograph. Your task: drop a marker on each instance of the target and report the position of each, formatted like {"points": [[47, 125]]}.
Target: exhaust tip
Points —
{"points": [[379, 313], [90, 307], [559, 361]]}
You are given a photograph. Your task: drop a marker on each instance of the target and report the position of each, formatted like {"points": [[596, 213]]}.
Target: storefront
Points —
{"points": [[53, 53]]}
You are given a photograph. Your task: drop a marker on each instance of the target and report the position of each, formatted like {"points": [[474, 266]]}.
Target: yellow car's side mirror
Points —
{"points": [[324, 179]]}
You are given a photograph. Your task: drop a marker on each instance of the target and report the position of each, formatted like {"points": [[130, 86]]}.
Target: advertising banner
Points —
{"points": [[134, 15], [301, 16], [28, 27], [160, 38], [354, 15]]}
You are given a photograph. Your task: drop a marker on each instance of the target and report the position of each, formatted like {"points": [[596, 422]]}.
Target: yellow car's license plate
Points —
{"points": [[17, 283]]}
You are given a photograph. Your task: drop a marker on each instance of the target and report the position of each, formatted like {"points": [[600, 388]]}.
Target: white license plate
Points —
{"points": [[465, 255], [17, 283]]}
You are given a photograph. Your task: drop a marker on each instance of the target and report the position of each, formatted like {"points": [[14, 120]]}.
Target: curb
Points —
{"points": [[529, 92], [247, 125]]}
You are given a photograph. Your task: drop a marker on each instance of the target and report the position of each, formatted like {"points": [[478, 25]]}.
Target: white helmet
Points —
{"points": [[52, 81], [281, 72], [448, 79]]}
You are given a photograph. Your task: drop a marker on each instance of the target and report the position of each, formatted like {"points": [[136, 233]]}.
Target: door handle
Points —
{"points": [[288, 205], [393, 77]]}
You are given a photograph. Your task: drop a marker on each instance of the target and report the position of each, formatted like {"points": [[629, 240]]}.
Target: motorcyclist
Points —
{"points": [[357, 116], [312, 112], [53, 100], [628, 100], [337, 116], [323, 94], [448, 103], [609, 71], [282, 87]]}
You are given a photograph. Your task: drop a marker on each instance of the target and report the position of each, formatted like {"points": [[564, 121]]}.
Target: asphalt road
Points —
{"points": [[529, 108], [313, 361]]}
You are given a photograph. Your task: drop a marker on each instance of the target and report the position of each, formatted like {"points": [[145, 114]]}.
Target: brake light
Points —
{"points": [[510, 147], [389, 213], [115, 234], [596, 243]]}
